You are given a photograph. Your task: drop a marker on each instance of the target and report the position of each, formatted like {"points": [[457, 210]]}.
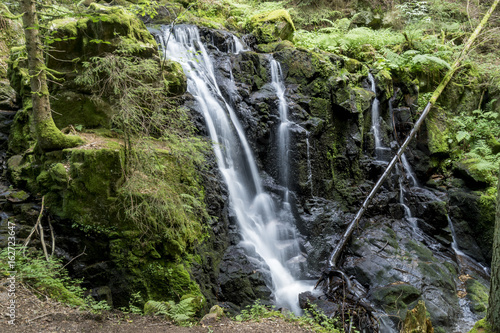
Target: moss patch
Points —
{"points": [[272, 26]]}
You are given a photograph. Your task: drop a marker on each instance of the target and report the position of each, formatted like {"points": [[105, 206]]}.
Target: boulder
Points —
{"points": [[272, 26], [416, 320]]}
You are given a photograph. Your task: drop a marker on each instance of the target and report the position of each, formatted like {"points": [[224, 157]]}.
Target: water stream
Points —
{"points": [[264, 227], [381, 152], [283, 130]]}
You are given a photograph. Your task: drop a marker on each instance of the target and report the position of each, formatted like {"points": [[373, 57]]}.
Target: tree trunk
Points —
{"points": [[332, 262], [49, 137], [493, 314]]}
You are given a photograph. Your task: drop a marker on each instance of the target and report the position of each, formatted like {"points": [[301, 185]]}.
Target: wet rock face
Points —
{"points": [[395, 263], [241, 279]]}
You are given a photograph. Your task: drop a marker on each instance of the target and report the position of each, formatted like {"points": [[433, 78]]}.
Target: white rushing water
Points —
{"points": [[380, 149], [264, 227], [283, 130]]}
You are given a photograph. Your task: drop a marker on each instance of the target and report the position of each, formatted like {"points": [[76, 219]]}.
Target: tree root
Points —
{"points": [[356, 314]]}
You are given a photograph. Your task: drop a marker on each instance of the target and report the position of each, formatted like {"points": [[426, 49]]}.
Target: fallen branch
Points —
{"points": [[81, 254], [35, 227]]}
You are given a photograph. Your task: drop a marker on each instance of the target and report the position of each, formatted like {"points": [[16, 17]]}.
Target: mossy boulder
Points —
{"points": [[272, 26], [72, 108], [103, 29], [482, 326], [438, 132], [395, 298], [176, 81], [477, 293], [11, 34], [416, 320], [8, 98], [352, 98]]}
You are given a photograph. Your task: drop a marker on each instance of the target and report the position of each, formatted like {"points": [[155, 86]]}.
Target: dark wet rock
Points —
{"points": [[242, 279], [472, 227], [473, 178], [8, 97], [306, 299], [399, 269]]}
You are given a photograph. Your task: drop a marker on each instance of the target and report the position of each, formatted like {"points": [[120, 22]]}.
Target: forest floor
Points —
{"points": [[35, 315]]}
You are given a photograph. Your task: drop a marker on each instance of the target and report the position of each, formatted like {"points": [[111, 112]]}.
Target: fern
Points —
{"points": [[177, 312]]}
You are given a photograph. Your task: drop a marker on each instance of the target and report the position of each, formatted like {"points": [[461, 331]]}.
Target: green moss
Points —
{"points": [[72, 108], [482, 326], [271, 26], [275, 46], [422, 252], [176, 81], [478, 296], [49, 137], [437, 132], [396, 297]]}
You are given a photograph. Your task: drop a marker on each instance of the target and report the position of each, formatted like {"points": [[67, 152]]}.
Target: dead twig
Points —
{"points": [[26, 242], [69, 262]]}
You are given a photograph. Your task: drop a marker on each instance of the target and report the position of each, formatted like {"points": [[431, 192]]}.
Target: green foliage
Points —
{"points": [[476, 140], [349, 42], [181, 313], [143, 8], [414, 10], [313, 318], [49, 278]]}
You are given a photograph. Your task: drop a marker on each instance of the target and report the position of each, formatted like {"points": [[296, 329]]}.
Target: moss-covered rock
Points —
{"points": [[272, 26], [437, 132], [416, 320], [482, 326], [477, 293], [396, 298], [103, 29], [176, 80], [72, 108]]}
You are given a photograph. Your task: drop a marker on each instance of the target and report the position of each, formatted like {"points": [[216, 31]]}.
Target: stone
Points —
{"points": [[416, 320], [272, 26], [215, 314]]}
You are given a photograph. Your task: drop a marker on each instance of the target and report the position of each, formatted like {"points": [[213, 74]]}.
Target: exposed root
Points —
{"points": [[355, 314]]}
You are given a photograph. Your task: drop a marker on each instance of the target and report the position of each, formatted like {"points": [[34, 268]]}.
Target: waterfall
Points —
{"points": [[283, 130], [263, 227], [380, 150]]}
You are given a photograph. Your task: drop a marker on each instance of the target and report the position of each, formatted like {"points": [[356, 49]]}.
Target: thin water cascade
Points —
{"points": [[236, 46], [380, 149], [468, 318], [264, 227], [283, 130]]}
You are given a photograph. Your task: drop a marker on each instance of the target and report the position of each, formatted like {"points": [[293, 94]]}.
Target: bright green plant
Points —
{"points": [[49, 278], [414, 10], [181, 313], [313, 318], [476, 140]]}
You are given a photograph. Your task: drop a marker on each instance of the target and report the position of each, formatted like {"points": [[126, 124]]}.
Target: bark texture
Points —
{"points": [[493, 315], [49, 137]]}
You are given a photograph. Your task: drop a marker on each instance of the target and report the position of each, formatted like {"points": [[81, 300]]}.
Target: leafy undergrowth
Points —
{"points": [[313, 318], [48, 278]]}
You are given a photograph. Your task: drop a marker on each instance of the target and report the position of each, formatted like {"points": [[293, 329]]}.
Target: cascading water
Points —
{"points": [[283, 130], [380, 150], [263, 227]]}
